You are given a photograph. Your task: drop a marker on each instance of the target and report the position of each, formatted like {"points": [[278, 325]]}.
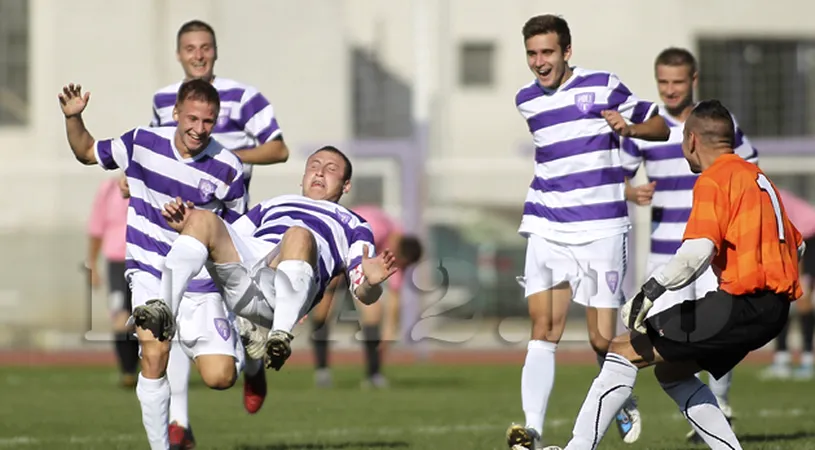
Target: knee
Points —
{"points": [[599, 343], [300, 235], [200, 221], [545, 327], [220, 376]]}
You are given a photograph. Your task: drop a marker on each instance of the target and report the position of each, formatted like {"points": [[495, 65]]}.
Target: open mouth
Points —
{"points": [[544, 71]]}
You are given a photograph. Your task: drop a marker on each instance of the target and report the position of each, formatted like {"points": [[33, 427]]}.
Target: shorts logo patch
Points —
{"points": [[223, 328], [612, 280], [584, 101], [206, 188]]}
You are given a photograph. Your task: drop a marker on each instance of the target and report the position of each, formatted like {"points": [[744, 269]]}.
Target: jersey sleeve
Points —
{"points": [[257, 117], [631, 157], [742, 146], [710, 212], [628, 104], [115, 153], [156, 120]]}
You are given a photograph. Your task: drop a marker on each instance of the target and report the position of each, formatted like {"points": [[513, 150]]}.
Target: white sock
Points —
{"points": [[184, 261], [607, 394], [782, 358], [537, 380], [154, 396], [698, 404], [292, 284], [178, 376], [721, 387]]}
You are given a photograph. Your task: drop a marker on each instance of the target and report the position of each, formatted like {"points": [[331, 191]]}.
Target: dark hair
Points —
{"points": [[675, 56], [349, 170], [549, 23], [410, 249], [198, 89], [194, 25], [712, 121]]}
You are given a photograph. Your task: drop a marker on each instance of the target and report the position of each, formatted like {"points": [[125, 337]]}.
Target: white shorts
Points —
{"points": [[252, 280], [594, 270], [203, 326], [705, 283]]}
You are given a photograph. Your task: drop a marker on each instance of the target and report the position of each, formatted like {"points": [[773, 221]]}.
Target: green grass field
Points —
{"points": [[428, 407]]}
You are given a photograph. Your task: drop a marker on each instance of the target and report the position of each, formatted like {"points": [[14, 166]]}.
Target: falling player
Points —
{"points": [[575, 216], [275, 262], [248, 126], [739, 226], [161, 163], [670, 187]]}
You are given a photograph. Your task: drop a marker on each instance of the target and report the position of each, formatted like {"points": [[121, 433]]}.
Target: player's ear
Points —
{"points": [[346, 187], [175, 113], [567, 52]]}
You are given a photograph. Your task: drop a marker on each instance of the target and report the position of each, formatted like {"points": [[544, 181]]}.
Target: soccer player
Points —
{"points": [[670, 187], [575, 217], [106, 231], [380, 320], [802, 215], [738, 225], [248, 126], [274, 263], [161, 163]]}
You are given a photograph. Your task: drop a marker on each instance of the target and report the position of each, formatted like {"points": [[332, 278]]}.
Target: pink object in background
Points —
{"points": [[108, 220], [383, 227], [800, 212]]}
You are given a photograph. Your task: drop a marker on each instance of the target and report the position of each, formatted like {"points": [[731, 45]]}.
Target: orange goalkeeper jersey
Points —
{"points": [[738, 208]]}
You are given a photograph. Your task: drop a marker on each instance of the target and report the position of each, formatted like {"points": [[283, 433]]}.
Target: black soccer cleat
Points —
{"points": [[157, 317], [278, 349]]}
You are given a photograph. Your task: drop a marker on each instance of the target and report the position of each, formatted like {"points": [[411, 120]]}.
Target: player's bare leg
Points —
{"points": [[293, 279], [205, 237], [547, 311], [602, 324]]}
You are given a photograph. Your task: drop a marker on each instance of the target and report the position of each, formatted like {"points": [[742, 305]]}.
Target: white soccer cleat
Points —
{"points": [[629, 423], [252, 337]]}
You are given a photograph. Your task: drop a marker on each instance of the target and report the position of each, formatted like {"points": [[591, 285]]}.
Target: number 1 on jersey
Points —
{"points": [[765, 185]]}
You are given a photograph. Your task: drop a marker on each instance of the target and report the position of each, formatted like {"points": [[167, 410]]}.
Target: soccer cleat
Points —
{"points": [[278, 348], [252, 337], [181, 438], [522, 438], [377, 381], [694, 438], [157, 317], [322, 378], [629, 423], [254, 391]]}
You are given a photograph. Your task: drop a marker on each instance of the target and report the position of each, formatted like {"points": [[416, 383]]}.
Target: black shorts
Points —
{"points": [[119, 294], [808, 261], [718, 330]]}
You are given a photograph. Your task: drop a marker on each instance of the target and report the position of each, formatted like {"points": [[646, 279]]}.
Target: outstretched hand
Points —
{"points": [[72, 100], [378, 268], [177, 212], [617, 123]]}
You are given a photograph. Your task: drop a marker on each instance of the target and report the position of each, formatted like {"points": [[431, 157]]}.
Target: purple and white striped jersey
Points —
{"points": [[246, 118], [340, 233], [157, 174], [577, 194], [673, 193]]}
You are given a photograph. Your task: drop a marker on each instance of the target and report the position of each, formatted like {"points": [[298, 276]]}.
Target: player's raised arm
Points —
{"points": [[73, 102], [259, 120]]}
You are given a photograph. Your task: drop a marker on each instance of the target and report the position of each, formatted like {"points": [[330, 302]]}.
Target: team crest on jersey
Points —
{"points": [[206, 188], [223, 117], [344, 216], [612, 280], [223, 328], [584, 101]]}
